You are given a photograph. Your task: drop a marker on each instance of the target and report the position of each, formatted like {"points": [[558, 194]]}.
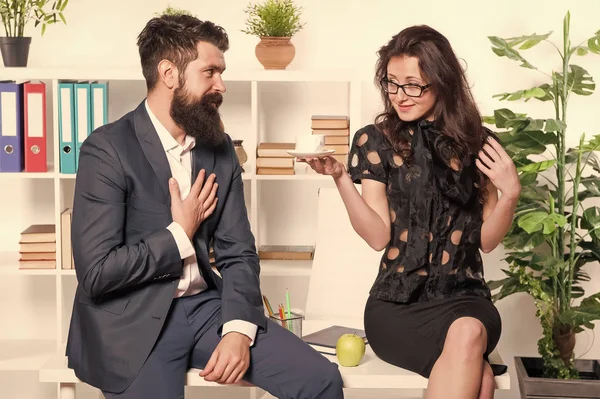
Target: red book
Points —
{"points": [[34, 113]]}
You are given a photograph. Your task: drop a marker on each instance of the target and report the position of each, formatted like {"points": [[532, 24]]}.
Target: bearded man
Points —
{"points": [[154, 190]]}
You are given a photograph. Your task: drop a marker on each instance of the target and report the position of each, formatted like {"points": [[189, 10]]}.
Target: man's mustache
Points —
{"points": [[213, 98]]}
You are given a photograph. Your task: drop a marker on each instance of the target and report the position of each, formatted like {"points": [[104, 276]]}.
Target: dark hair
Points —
{"points": [[174, 38], [455, 113]]}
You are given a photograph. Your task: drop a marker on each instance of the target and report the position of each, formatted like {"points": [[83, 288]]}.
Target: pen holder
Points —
{"points": [[293, 323]]}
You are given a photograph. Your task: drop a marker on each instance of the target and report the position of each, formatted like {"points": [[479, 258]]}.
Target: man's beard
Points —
{"points": [[198, 117]]}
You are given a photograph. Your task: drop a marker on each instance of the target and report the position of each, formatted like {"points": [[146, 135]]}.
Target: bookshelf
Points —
{"points": [[255, 85]]}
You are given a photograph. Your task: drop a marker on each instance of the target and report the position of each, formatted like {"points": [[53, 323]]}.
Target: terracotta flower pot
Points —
{"points": [[275, 52]]}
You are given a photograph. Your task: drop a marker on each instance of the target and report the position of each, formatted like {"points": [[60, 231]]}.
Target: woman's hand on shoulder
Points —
{"points": [[497, 165], [325, 166]]}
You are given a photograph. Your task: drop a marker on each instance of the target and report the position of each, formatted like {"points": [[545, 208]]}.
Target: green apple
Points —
{"points": [[350, 349]]}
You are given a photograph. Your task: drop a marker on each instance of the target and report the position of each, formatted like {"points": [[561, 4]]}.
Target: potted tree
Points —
{"points": [[556, 231], [274, 22], [15, 15]]}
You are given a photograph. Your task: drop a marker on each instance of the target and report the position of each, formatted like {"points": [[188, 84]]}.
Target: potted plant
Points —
{"points": [[556, 232], [274, 22], [15, 16], [170, 10]]}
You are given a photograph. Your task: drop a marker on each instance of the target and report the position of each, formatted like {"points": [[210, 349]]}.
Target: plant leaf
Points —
{"points": [[503, 49], [490, 120], [591, 221], [593, 247], [584, 314], [582, 50], [532, 222], [540, 92], [593, 144], [537, 166], [594, 43], [554, 125], [579, 82], [592, 184], [528, 178], [502, 115], [528, 40]]}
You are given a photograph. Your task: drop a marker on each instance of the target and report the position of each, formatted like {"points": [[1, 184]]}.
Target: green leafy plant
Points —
{"points": [[174, 11], [553, 234], [273, 18], [17, 13]]}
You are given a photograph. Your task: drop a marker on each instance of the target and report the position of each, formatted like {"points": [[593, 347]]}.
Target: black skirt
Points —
{"points": [[412, 336]]}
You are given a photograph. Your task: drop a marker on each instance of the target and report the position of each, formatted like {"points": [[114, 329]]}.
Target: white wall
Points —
{"points": [[338, 34]]}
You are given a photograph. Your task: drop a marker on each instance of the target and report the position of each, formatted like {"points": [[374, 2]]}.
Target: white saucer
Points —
{"points": [[320, 154]]}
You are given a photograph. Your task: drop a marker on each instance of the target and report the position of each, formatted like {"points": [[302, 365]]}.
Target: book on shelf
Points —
{"points": [[27, 256], [339, 149], [286, 252], [39, 233], [66, 248], [330, 122], [275, 171], [37, 247], [275, 150], [337, 140], [37, 264], [332, 132], [267, 162]]}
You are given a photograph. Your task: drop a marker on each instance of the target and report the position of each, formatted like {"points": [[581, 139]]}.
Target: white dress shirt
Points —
{"points": [[191, 282]]}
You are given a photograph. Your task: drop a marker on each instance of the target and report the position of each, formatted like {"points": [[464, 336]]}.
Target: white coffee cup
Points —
{"points": [[310, 143]]}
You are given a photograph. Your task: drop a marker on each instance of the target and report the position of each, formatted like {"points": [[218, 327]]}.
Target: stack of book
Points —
{"points": [[38, 247], [336, 129], [273, 159]]}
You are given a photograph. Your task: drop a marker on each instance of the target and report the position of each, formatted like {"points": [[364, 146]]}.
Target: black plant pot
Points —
{"points": [[533, 386], [15, 51]]}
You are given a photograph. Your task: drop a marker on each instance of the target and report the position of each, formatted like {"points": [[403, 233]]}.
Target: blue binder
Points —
{"points": [[66, 126]]}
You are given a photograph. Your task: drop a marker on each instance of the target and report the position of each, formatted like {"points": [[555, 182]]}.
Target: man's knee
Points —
{"points": [[324, 381]]}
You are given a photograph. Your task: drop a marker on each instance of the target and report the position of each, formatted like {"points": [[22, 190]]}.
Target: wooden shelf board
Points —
{"points": [[25, 354]]}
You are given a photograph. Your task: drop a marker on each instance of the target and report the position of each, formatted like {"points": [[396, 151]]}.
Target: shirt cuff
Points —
{"points": [[242, 327], [186, 249]]}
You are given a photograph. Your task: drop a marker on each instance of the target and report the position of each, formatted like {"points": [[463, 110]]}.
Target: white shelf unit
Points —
{"points": [[28, 354]]}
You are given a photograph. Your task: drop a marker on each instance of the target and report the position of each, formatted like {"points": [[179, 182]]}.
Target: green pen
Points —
{"points": [[287, 299]]}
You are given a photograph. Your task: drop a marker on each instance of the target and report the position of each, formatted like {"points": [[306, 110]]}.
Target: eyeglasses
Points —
{"points": [[410, 89]]}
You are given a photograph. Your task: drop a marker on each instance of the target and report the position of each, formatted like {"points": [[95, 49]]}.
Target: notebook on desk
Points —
{"points": [[325, 340]]}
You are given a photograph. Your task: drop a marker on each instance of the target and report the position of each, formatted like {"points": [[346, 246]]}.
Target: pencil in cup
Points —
{"points": [[292, 323]]}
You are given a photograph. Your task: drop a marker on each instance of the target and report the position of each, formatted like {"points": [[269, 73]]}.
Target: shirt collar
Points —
{"points": [[168, 142]]}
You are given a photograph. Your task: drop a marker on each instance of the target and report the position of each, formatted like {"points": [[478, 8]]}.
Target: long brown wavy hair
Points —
{"points": [[455, 112]]}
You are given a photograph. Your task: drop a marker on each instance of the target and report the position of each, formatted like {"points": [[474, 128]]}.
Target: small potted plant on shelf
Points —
{"points": [[556, 230], [15, 15], [170, 10], [274, 22]]}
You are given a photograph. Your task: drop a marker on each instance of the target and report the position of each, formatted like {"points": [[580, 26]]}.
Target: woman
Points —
{"points": [[430, 176]]}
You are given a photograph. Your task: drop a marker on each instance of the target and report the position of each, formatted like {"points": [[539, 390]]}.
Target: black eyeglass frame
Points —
{"points": [[385, 82]]}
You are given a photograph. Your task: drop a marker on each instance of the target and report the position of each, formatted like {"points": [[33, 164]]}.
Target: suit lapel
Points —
{"points": [[153, 149]]}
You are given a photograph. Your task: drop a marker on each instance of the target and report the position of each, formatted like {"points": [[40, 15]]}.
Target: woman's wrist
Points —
{"points": [[341, 176]]}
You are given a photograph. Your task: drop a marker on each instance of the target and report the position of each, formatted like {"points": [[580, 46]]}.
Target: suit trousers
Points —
{"points": [[280, 362]]}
